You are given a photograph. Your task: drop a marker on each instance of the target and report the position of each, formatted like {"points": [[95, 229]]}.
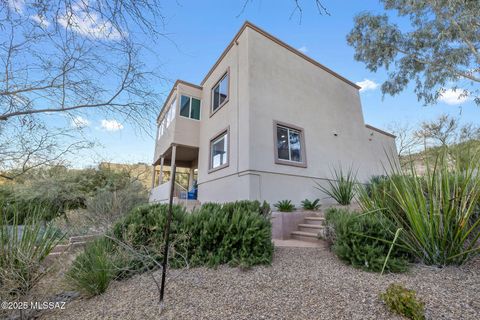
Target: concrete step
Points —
{"points": [[314, 228], [315, 220], [305, 236]]}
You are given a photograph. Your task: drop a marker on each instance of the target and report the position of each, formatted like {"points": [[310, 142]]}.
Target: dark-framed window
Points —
{"points": [[190, 107], [289, 145], [220, 92]]}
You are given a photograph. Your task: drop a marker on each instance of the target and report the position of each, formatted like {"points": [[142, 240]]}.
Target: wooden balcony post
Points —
{"points": [[160, 178]]}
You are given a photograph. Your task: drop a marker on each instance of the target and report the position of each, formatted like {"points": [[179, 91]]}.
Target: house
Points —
{"points": [[265, 123]]}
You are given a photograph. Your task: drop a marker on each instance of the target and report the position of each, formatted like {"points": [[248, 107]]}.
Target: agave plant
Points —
{"points": [[285, 206], [438, 212], [311, 205], [343, 186]]}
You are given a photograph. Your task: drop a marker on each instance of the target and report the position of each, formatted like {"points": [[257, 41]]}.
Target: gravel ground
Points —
{"points": [[302, 283]]}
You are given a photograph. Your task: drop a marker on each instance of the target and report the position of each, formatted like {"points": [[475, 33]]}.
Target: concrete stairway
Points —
{"points": [[310, 229]]}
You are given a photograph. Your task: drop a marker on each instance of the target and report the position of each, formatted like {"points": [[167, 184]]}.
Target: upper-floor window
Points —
{"points": [[219, 151], [290, 145], [190, 107], [167, 118], [220, 93]]}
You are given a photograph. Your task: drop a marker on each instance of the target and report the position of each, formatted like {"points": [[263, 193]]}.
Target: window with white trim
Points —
{"points": [[219, 151], [167, 118], [220, 93], [190, 107]]}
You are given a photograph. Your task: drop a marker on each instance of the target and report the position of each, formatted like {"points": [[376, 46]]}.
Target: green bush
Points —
{"points": [[404, 302], [285, 206], [311, 205], [59, 189], [343, 186], [220, 236], [363, 240], [246, 205], [437, 212], [93, 269], [237, 234]]}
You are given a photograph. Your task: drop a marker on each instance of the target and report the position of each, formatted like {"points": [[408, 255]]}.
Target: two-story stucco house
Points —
{"points": [[265, 123]]}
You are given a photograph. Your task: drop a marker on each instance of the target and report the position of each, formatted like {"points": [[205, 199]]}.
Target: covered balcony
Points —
{"points": [[186, 160]]}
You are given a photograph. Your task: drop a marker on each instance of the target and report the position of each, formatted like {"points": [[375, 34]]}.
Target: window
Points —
{"points": [[190, 107], [167, 119], [220, 93], [219, 151], [290, 145]]}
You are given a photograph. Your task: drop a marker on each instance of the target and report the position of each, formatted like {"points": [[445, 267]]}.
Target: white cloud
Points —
{"points": [[367, 84], [80, 122], [303, 49], [16, 5], [453, 97], [111, 125], [40, 20], [88, 24]]}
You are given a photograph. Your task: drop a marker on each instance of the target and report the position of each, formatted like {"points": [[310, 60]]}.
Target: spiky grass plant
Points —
{"points": [[23, 249], [438, 212], [342, 187]]}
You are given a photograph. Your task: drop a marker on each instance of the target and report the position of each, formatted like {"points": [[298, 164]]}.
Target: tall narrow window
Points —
{"points": [[219, 151], [290, 145], [190, 107], [220, 93]]}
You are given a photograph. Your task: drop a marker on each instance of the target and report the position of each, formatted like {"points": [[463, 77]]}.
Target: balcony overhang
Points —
{"points": [[185, 157]]}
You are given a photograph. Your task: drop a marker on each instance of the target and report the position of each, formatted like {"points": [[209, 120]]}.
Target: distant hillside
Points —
{"points": [[462, 151]]}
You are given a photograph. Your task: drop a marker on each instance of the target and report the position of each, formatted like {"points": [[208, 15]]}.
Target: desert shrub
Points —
{"points": [[437, 212], [58, 190], [23, 249], [311, 205], [212, 235], [364, 240], [219, 236], [285, 206], [246, 205], [93, 269], [107, 205], [404, 302], [343, 186]]}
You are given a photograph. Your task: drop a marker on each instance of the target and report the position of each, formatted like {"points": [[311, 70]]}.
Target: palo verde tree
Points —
{"points": [[67, 57], [439, 52]]}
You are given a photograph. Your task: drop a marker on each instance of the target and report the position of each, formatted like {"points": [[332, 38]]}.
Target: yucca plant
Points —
{"points": [[438, 212], [285, 206], [343, 186], [23, 249], [311, 205]]}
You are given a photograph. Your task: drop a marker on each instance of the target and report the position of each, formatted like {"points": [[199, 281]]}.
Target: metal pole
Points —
{"points": [[167, 231]]}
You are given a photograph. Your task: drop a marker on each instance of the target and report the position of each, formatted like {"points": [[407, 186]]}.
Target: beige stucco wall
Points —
{"points": [[220, 185], [182, 131], [287, 88]]}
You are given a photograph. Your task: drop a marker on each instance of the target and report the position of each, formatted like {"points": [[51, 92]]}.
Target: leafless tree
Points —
{"points": [[66, 57], [406, 140], [439, 131], [298, 6]]}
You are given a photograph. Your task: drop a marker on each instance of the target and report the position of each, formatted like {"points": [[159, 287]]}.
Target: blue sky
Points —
{"points": [[198, 32]]}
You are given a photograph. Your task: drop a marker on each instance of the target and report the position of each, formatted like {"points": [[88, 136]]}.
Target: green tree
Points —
{"points": [[439, 52]]}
